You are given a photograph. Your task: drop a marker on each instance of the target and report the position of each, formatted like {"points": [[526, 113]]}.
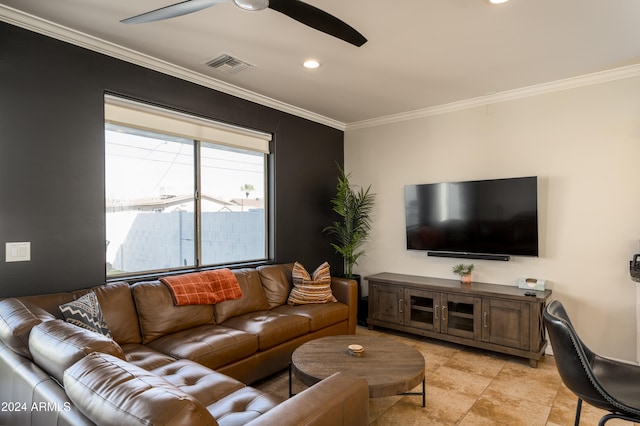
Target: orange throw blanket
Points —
{"points": [[203, 288]]}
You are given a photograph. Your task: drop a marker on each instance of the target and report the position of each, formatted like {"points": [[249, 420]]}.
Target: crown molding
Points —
{"points": [[525, 92], [59, 32], [51, 29]]}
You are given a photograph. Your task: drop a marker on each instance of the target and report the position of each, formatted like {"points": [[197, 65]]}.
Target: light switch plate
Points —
{"points": [[18, 252]]}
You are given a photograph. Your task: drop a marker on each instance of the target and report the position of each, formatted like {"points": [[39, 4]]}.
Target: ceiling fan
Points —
{"points": [[298, 10]]}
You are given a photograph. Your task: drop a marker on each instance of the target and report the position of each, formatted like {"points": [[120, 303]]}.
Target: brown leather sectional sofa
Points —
{"points": [[173, 365]]}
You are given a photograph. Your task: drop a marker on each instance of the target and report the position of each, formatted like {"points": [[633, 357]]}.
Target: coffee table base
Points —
{"points": [[423, 393]]}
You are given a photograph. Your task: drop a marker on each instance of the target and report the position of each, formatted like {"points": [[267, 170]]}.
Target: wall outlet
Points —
{"points": [[18, 252]]}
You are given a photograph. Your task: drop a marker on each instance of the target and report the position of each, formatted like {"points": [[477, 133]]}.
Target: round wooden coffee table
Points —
{"points": [[388, 366]]}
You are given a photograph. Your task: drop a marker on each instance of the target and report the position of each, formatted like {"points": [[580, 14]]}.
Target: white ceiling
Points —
{"points": [[421, 54]]}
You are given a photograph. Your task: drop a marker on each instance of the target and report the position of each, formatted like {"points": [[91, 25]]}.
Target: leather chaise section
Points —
{"points": [[206, 385], [242, 406], [110, 391]]}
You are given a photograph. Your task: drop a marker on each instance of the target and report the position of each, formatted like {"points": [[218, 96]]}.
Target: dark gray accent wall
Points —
{"points": [[52, 160]]}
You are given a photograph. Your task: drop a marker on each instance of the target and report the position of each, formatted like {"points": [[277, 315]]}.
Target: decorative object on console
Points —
{"points": [[309, 289], [532, 284], [464, 271], [85, 312]]}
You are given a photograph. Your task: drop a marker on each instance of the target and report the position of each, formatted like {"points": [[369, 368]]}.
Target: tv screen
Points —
{"points": [[465, 219]]}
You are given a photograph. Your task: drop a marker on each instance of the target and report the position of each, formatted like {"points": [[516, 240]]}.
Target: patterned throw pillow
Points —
{"points": [[315, 288], [85, 312]]}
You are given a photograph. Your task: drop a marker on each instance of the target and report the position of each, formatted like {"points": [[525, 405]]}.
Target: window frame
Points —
{"points": [[237, 136]]}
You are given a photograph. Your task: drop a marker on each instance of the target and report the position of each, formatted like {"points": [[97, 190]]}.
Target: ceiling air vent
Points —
{"points": [[228, 64]]}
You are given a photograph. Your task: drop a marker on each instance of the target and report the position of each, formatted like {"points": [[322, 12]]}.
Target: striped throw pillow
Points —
{"points": [[314, 288]]}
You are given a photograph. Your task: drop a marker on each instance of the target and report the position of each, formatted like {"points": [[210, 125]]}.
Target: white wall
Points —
{"points": [[583, 144]]}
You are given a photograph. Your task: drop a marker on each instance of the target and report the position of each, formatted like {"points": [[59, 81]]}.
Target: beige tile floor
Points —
{"points": [[471, 387]]}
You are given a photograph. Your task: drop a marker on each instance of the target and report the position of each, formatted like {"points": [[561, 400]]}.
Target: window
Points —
{"points": [[181, 192]]}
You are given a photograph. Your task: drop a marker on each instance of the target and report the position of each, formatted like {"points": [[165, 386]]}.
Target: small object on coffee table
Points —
{"points": [[356, 350]]}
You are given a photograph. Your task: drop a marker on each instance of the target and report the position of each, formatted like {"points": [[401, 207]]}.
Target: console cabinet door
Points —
{"points": [[461, 316], [386, 303], [422, 309], [506, 323]]}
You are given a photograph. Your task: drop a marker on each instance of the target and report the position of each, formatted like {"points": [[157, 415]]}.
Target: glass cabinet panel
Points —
{"points": [[460, 315], [423, 309]]}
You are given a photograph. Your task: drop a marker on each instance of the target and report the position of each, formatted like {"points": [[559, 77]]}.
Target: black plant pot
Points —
{"points": [[363, 302]]}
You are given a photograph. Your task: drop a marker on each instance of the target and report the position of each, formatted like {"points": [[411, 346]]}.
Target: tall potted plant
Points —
{"points": [[353, 204]]}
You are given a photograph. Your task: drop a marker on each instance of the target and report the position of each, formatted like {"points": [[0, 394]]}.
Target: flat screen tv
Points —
{"points": [[482, 219]]}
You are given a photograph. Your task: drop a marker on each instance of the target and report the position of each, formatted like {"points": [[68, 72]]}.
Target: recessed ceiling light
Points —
{"points": [[311, 64], [497, 1]]}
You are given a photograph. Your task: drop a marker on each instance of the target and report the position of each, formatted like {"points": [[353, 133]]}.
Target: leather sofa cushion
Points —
{"points": [[319, 315], [56, 345], [144, 357], [277, 283], [272, 328], [253, 297], [51, 302], [206, 385], [110, 391], [17, 318], [119, 312], [242, 406], [158, 315], [210, 345]]}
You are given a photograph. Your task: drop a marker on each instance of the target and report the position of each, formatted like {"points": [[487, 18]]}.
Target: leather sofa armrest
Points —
{"points": [[345, 291], [341, 399]]}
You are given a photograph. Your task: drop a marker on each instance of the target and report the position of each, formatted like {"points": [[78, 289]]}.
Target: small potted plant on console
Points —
{"points": [[464, 271]]}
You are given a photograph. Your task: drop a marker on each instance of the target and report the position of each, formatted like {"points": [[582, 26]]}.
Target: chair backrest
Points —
{"points": [[573, 359]]}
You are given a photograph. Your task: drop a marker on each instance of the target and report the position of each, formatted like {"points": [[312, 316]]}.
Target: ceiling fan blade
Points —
{"points": [[318, 19], [178, 9]]}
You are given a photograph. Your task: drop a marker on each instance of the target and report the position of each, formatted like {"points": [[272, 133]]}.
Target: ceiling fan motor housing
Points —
{"points": [[252, 4]]}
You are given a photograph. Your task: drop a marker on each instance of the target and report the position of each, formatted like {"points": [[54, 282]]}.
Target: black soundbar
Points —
{"points": [[481, 256]]}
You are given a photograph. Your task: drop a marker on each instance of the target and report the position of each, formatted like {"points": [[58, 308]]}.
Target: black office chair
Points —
{"points": [[602, 382]]}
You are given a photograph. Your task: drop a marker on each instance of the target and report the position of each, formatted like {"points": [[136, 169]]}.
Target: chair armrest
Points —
{"points": [[345, 291], [340, 399]]}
